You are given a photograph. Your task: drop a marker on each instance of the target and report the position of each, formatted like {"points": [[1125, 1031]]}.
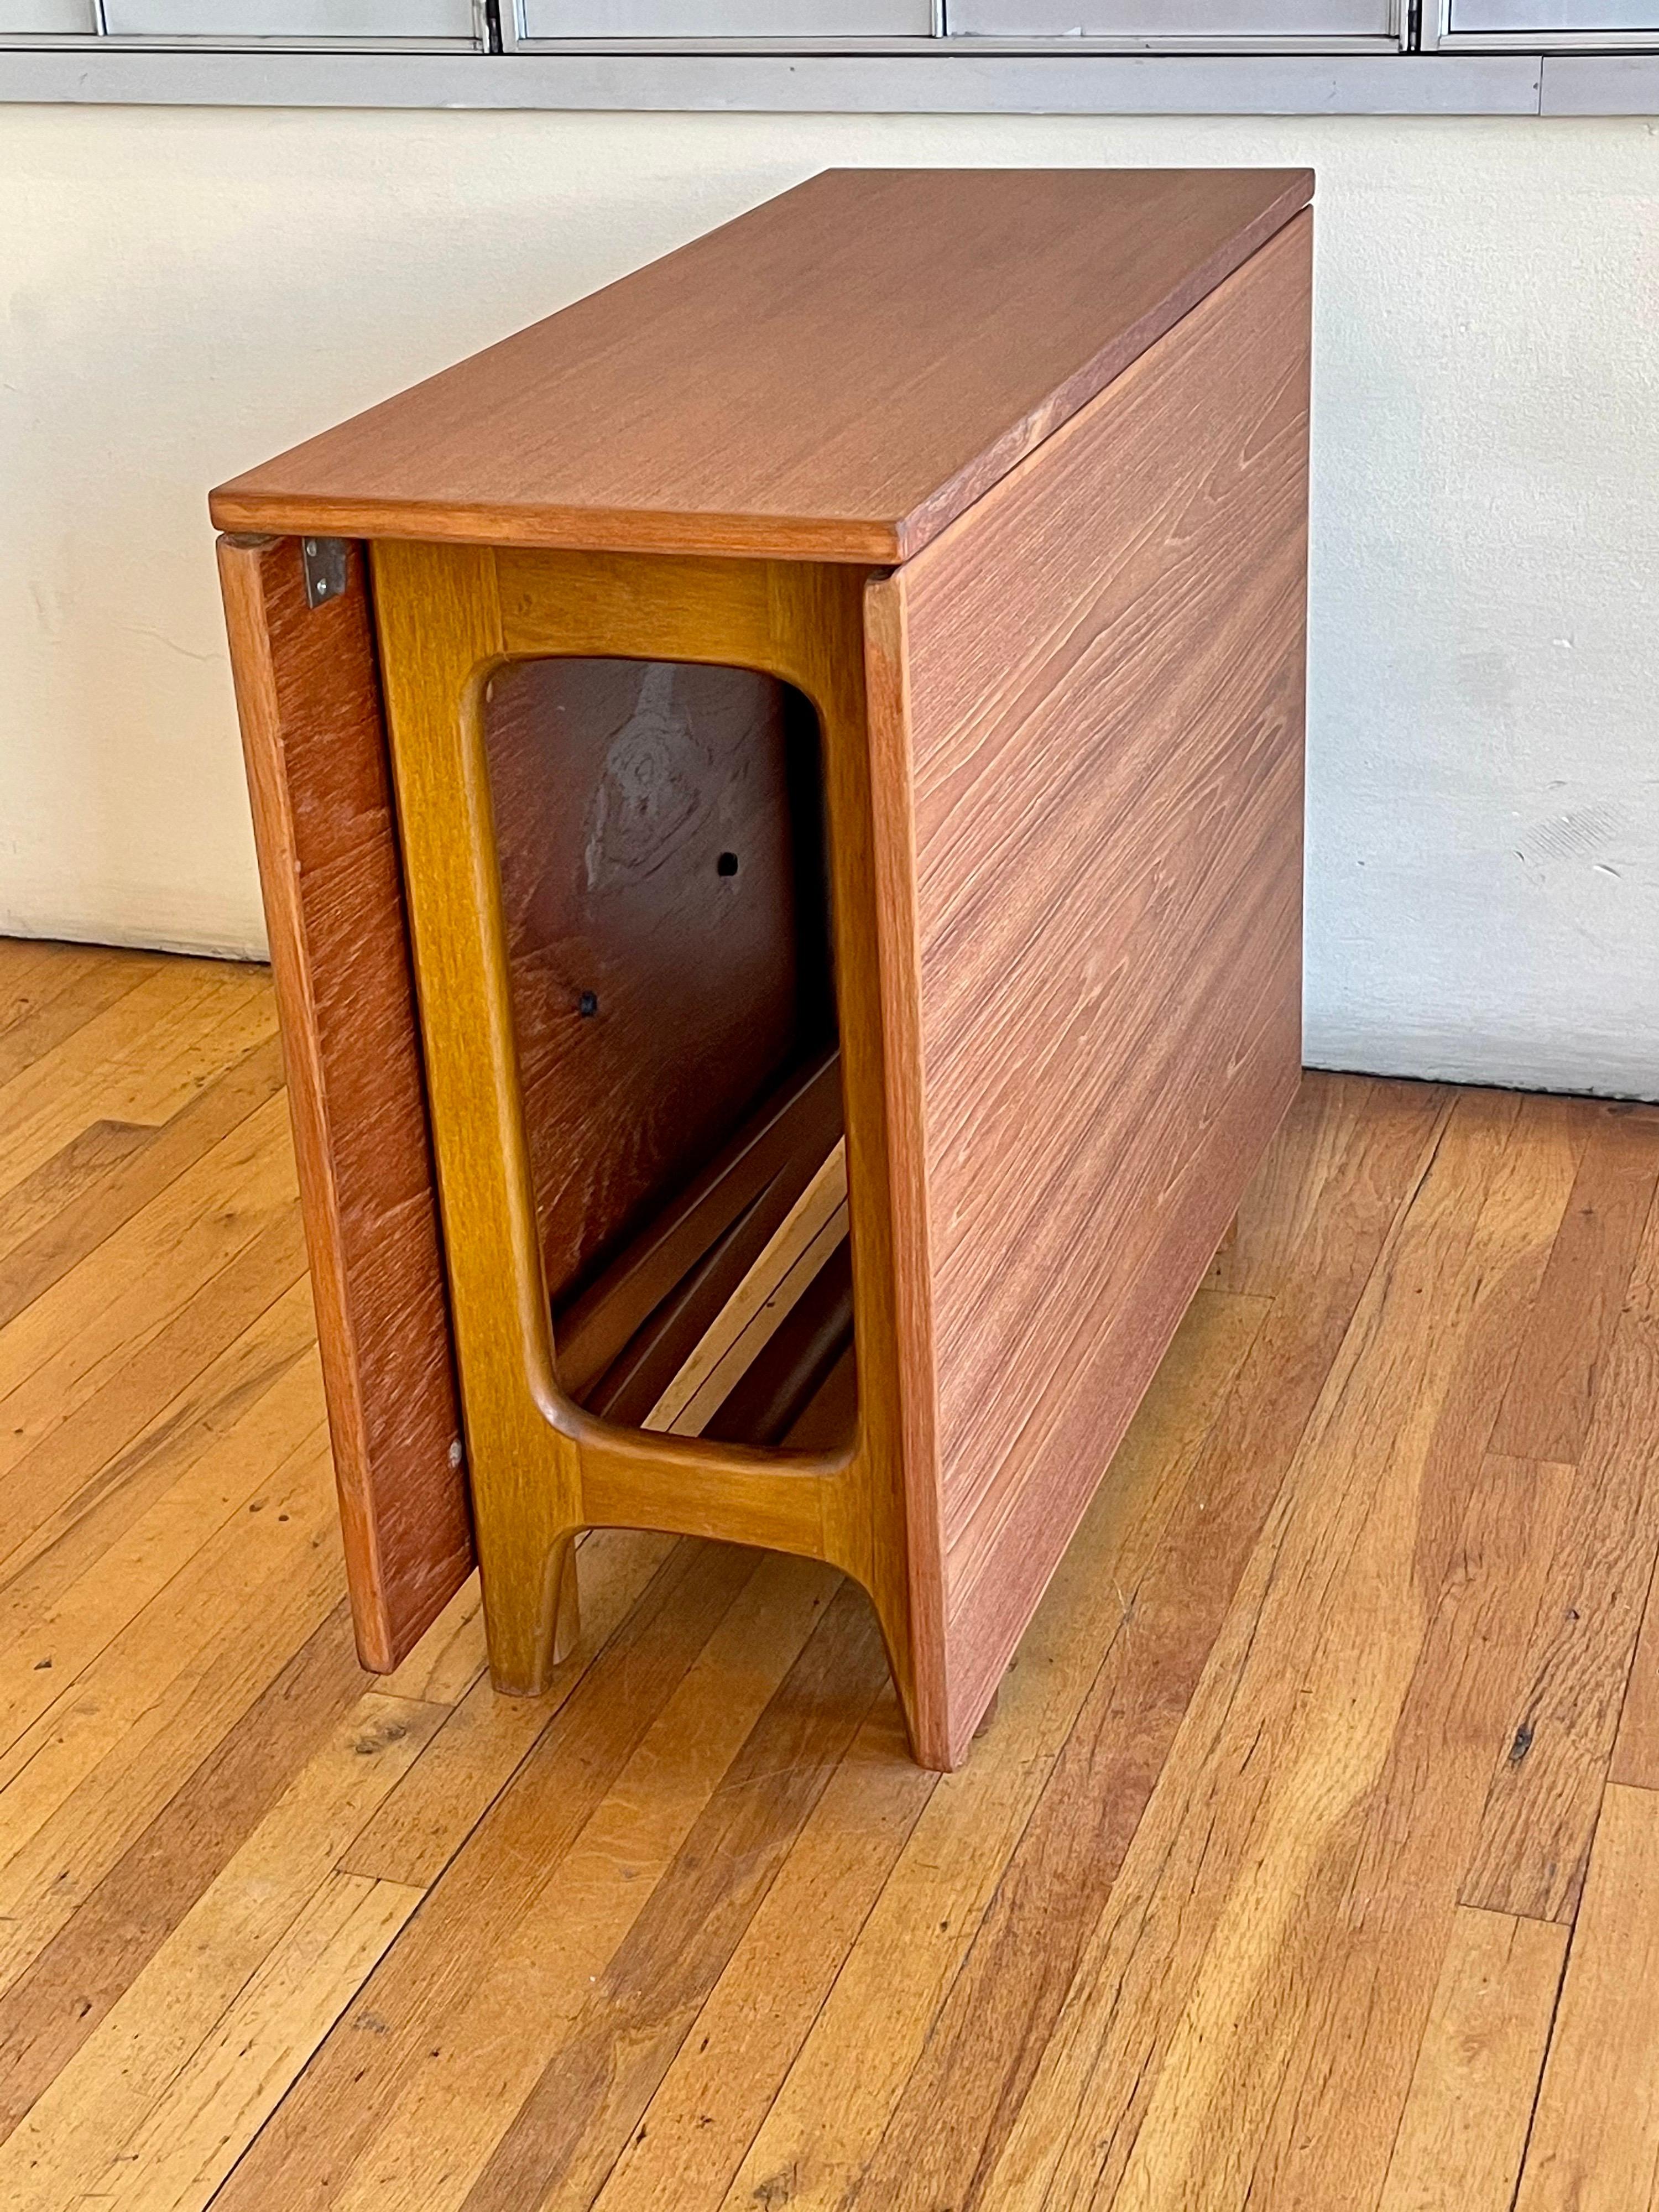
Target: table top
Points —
{"points": [[835, 376]]}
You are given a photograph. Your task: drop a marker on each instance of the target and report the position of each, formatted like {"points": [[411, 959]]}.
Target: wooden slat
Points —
{"points": [[679, 1271], [834, 375], [1464, 2128], [1098, 1043], [1594, 2144], [309, 702], [762, 1301]]}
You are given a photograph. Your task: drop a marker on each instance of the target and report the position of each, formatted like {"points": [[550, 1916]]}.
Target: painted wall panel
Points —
{"points": [[185, 291]]}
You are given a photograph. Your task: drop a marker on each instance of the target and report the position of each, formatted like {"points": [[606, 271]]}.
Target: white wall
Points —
{"points": [[185, 292]]}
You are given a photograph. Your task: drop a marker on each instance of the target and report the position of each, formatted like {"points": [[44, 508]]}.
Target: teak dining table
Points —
{"points": [[777, 793]]}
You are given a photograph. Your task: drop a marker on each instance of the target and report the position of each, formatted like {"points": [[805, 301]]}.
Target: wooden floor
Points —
{"points": [[1311, 1859]]}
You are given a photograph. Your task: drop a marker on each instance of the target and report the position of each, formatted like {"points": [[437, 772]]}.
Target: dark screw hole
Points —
{"points": [[726, 864], [587, 1005]]}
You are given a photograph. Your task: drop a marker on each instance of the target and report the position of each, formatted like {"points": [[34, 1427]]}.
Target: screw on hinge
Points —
{"points": [[324, 561]]}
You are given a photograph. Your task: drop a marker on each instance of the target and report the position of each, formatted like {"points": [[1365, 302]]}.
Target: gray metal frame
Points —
{"points": [[942, 41], [1441, 35], [937, 75], [103, 40]]}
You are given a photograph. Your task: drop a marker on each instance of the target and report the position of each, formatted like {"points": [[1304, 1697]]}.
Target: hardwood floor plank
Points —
{"points": [[981, 2057], [87, 1778], [1278, 1217], [531, 1988], [101, 1312], [340, 2104], [50, 1190], [119, 2075], [451, 1655], [844, 2083], [1193, 1931], [569, 2130], [48, 2013], [472, 1758], [192, 2138], [1464, 2128], [140, 1060], [1594, 2144], [1636, 1747], [1547, 1785], [1546, 1410], [1327, 2142], [47, 1645], [716, 2092], [113, 1170], [262, 1390], [1194, 1998], [59, 997], [975, 2065], [149, 1385], [32, 969]]}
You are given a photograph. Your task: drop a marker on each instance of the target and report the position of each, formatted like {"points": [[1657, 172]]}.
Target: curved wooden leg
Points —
{"points": [[567, 1608], [533, 1615]]}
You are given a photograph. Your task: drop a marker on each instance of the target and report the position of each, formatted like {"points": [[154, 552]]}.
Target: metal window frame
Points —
{"points": [[1439, 37], [102, 39], [515, 38]]}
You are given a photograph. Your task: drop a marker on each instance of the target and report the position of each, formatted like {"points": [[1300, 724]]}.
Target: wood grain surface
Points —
{"points": [[694, 1933], [1463, 2131], [1594, 2144], [542, 1465], [663, 969], [835, 376], [308, 697], [1090, 691]]}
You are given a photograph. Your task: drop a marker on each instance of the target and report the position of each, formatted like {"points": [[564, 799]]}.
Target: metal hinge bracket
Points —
{"points": [[324, 560]]}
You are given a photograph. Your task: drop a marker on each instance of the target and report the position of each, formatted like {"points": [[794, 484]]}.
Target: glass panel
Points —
{"points": [[1523, 16], [727, 19], [324, 22], [1169, 20], [58, 16]]}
